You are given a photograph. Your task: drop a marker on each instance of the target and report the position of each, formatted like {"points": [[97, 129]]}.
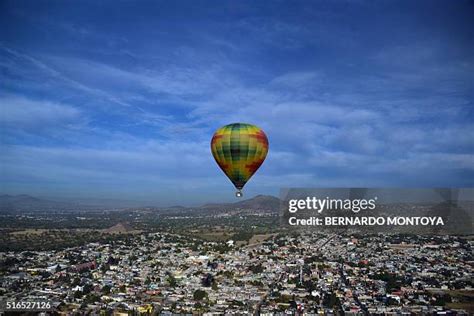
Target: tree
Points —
{"points": [[199, 295], [171, 281], [256, 268], [106, 289], [91, 299], [87, 288], [76, 282], [330, 300], [105, 267]]}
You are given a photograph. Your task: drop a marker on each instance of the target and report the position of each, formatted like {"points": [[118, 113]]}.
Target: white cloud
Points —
{"points": [[375, 128], [296, 79], [22, 112]]}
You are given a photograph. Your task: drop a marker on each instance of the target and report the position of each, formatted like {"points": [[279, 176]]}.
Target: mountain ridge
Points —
{"points": [[25, 202]]}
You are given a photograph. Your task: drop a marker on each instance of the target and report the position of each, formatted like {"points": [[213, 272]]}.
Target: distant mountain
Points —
{"points": [[103, 202], [27, 203], [259, 202], [23, 202], [267, 202]]}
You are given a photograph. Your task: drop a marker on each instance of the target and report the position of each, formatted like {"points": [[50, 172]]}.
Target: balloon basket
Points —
{"points": [[239, 194]]}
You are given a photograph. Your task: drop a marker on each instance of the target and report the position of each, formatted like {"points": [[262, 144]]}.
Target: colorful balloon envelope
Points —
{"points": [[239, 149]]}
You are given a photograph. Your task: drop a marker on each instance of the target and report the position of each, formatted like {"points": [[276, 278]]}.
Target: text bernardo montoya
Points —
{"points": [[317, 206]]}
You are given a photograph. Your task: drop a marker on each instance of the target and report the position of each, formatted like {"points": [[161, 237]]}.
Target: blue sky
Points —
{"points": [[119, 99]]}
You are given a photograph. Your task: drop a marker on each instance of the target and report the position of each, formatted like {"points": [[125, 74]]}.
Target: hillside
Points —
{"points": [[27, 203], [262, 202]]}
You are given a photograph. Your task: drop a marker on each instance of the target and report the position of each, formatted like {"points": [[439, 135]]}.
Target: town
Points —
{"points": [[295, 272]]}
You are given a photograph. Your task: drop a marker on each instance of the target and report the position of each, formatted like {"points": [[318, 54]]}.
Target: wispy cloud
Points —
{"points": [[25, 113], [130, 107], [58, 75]]}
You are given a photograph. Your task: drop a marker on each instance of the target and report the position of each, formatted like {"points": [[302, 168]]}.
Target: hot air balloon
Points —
{"points": [[239, 149]]}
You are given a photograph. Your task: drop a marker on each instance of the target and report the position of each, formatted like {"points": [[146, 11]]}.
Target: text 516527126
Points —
{"points": [[27, 305]]}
